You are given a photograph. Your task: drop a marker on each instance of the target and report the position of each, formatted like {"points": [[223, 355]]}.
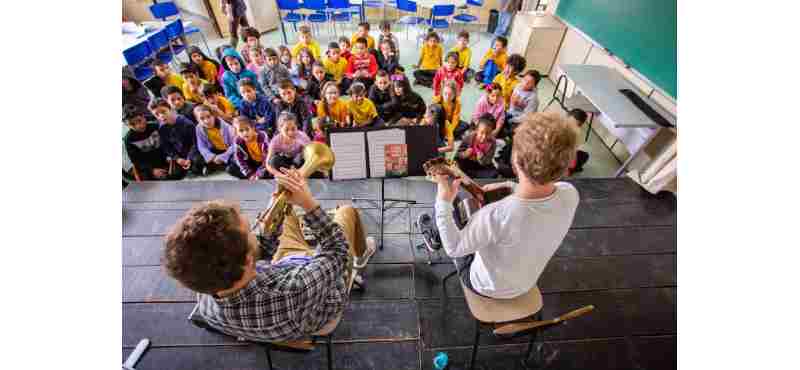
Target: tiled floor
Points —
{"points": [[601, 162]]}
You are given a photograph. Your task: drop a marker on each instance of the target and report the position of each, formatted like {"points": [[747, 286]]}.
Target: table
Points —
{"points": [[601, 85]]}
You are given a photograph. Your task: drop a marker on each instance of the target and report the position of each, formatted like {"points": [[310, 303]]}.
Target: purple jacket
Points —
{"points": [[242, 156], [498, 111], [204, 146]]}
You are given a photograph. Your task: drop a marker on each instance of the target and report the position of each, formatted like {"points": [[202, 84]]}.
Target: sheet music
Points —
{"points": [[351, 157], [377, 143]]}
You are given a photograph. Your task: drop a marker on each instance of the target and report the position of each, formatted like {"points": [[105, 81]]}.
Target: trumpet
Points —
{"points": [[318, 157]]}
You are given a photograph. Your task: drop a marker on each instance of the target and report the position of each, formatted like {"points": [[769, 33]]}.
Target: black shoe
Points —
{"points": [[205, 171], [429, 233]]}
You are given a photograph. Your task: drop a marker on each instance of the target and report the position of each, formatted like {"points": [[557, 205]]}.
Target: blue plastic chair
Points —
{"points": [[291, 17], [466, 18], [168, 9], [345, 14], [441, 11], [408, 20], [160, 40], [137, 57], [321, 15], [174, 32], [375, 4]]}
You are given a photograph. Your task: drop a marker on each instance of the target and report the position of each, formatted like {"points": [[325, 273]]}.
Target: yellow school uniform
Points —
{"points": [[363, 113], [507, 85], [431, 57], [174, 79], [336, 69], [225, 105], [499, 60], [464, 56], [215, 138], [313, 47], [370, 41], [255, 151], [452, 114], [338, 111], [209, 70], [194, 97]]}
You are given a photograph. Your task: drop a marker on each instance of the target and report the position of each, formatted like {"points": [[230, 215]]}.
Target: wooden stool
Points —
{"points": [[512, 316]]}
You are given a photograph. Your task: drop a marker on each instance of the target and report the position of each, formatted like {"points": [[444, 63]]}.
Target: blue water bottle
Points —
{"points": [[440, 361]]}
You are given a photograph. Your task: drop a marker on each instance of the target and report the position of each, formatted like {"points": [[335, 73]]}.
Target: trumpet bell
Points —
{"points": [[318, 157]]}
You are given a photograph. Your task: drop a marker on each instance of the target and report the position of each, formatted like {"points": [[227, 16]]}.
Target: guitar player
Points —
{"points": [[505, 246]]}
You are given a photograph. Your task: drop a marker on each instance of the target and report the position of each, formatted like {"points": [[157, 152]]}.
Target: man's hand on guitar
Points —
{"points": [[447, 190]]}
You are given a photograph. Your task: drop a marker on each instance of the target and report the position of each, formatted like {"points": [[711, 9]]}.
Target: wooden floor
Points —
{"points": [[620, 256]]}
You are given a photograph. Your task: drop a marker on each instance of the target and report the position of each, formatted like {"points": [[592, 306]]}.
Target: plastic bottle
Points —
{"points": [[440, 361]]}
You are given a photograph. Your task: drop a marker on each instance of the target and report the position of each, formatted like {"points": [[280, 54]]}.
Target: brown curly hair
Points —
{"points": [[544, 145], [207, 249]]}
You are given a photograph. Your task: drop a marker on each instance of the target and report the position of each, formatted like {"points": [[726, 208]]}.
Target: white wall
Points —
{"points": [[193, 6]]}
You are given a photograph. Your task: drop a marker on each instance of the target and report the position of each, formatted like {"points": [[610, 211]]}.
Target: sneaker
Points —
{"points": [[205, 171], [361, 262], [429, 233]]}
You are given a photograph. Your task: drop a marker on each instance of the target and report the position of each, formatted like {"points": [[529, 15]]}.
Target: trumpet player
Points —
{"points": [[267, 287]]}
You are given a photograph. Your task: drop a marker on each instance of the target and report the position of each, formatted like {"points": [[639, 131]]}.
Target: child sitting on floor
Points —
{"points": [[361, 110], [256, 107], [306, 42], [193, 86], [362, 65], [491, 103], [449, 71], [407, 103], [290, 101], [286, 148], [251, 151], [252, 39], [476, 151], [464, 55], [344, 47], [143, 144], [272, 74], [332, 108], [163, 77], [215, 139], [303, 67], [387, 58], [453, 126], [508, 79], [220, 106], [493, 62], [285, 56], [381, 95], [234, 71], [335, 65], [386, 34], [207, 66], [430, 59], [318, 126], [258, 61], [318, 79], [178, 140], [363, 32], [524, 99], [578, 117], [174, 96]]}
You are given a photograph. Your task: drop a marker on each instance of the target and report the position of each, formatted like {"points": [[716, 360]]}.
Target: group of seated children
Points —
{"points": [[251, 111]]}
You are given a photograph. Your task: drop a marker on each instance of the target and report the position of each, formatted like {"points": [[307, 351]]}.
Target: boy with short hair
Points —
{"points": [[193, 86], [143, 144], [178, 140], [290, 101], [449, 71], [464, 55], [386, 34], [362, 110], [234, 71], [256, 107], [525, 98], [215, 140], [314, 85], [578, 117], [272, 74], [508, 79], [306, 41], [493, 62], [174, 96], [163, 76], [334, 64], [362, 65], [381, 95], [251, 151], [220, 106], [430, 59], [363, 32], [252, 39], [504, 248], [344, 46]]}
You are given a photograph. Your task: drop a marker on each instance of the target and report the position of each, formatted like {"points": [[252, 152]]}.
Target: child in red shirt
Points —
{"points": [[361, 66], [449, 71]]}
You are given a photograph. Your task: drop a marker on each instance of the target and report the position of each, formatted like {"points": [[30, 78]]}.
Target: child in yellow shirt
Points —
{"points": [[332, 106], [220, 106], [362, 110], [166, 75], [453, 127], [509, 78], [193, 86], [306, 41], [493, 62], [464, 55], [363, 31], [430, 59], [334, 64]]}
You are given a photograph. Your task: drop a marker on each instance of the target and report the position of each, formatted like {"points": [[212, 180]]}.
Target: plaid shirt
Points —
{"points": [[288, 301]]}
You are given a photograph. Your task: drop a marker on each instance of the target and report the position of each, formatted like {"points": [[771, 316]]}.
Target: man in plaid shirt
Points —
{"points": [[211, 251]]}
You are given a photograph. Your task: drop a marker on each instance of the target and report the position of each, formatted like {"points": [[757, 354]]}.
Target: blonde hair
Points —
{"points": [[544, 145]]}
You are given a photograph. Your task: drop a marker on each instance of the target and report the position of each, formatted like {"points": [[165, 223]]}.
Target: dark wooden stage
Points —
{"points": [[620, 256]]}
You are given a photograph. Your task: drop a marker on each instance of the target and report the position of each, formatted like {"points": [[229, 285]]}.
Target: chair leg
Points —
{"points": [[268, 349], [329, 344], [475, 344]]}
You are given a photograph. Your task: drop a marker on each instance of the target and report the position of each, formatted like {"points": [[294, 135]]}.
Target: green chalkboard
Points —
{"points": [[642, 33]]}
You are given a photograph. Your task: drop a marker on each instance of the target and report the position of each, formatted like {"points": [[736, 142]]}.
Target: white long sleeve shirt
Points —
{"points": [[513, 239]]}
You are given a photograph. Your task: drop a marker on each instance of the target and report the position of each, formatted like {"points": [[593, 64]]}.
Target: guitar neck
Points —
{"points": [[472, 188]]}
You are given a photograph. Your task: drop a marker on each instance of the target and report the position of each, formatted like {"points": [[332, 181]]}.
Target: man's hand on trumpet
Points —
{"points": [[297, 187]]}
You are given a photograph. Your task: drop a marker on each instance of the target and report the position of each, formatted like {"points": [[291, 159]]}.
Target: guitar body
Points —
{"points": [[465, 207]]}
